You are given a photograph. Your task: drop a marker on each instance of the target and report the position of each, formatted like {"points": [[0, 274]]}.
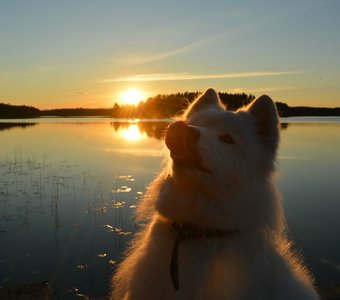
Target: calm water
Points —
{"points": [[68, 190]]}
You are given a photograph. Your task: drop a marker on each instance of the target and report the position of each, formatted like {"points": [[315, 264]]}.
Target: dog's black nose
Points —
{"points": [[192, 137], [181, 139]]}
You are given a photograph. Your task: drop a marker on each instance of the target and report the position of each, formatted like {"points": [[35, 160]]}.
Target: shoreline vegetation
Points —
{"points": [[160, 106]]}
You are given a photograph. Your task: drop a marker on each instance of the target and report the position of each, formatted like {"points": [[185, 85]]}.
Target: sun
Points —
{"points": [[132, 97]]}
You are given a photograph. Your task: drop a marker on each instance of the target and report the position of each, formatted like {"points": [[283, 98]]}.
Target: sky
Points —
{"points": [[85, 53]]}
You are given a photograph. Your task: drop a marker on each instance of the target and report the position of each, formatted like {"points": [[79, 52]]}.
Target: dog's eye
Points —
{"points": [[227, 138]]}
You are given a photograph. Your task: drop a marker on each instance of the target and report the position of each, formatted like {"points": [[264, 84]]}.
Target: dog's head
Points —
{"points": [[221, 162], [211, 142]]}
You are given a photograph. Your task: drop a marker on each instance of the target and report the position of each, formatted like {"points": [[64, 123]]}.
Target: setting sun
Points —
{"points": [[132, 97]]}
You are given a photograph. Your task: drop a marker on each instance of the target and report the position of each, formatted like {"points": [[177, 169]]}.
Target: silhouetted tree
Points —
{"points": [[235, 101], [8, 111]]}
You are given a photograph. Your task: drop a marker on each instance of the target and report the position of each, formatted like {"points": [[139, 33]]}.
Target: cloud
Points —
{"points": [[263, 89], [81, 93], [227, 33], [272, 89], [224, 34], [163, 55], [196, 76]]}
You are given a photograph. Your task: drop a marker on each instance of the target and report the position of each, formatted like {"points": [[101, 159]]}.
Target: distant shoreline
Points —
{"points": [[306, 111], [31, 119], [289, 112], [159, 107]]}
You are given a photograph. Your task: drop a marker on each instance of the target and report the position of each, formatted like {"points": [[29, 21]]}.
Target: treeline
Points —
{"points": [[167, 106], [8, 111], [298, 111], [160, 106]]}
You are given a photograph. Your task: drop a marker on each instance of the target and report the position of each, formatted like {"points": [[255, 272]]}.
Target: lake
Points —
{"points": [[69, 188]]}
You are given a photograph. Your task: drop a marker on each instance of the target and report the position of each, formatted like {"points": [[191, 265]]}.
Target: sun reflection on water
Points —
{"points": [[132, 133]]}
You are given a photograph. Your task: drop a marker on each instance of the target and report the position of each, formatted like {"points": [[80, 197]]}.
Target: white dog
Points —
{"points": [[215, 228]]}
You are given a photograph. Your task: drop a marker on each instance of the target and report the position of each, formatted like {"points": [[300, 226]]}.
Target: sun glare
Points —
{"points": [[132, 97], [133, 133]]}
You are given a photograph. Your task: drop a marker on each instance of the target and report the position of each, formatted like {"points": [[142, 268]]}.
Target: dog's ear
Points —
{"points": [[208, 98], [263, 109]]}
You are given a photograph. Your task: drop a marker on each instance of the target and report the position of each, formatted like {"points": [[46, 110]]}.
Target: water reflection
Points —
{"points": [[131, 130], [71, 191], [62, 193], [284, 126], [8, 126], [135, 130], [132, 133]]}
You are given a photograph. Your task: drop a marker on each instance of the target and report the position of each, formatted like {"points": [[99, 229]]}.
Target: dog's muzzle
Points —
{"points": [[181, 139]]}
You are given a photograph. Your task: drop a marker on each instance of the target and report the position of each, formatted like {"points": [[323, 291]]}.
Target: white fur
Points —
{"points": [[254, 263]]}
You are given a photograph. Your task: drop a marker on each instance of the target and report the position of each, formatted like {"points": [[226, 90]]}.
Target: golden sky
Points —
{"points": [[87, 53]]}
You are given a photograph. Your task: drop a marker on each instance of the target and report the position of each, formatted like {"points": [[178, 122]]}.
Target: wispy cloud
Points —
{"points": [[263, 89], [139, 59], [196, 76], [81, 93], [227, 33]]}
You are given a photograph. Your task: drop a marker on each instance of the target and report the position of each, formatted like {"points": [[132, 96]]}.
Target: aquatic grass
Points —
{"points": [[64, 196]]}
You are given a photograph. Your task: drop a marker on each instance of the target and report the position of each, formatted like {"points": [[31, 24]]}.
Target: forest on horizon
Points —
{"points": [[160, 106]]}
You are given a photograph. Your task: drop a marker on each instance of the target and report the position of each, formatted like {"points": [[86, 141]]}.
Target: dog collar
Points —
{"points": [[187, 231]]}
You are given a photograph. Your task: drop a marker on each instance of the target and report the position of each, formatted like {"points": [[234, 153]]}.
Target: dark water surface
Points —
{"points": [[68, 190]]}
